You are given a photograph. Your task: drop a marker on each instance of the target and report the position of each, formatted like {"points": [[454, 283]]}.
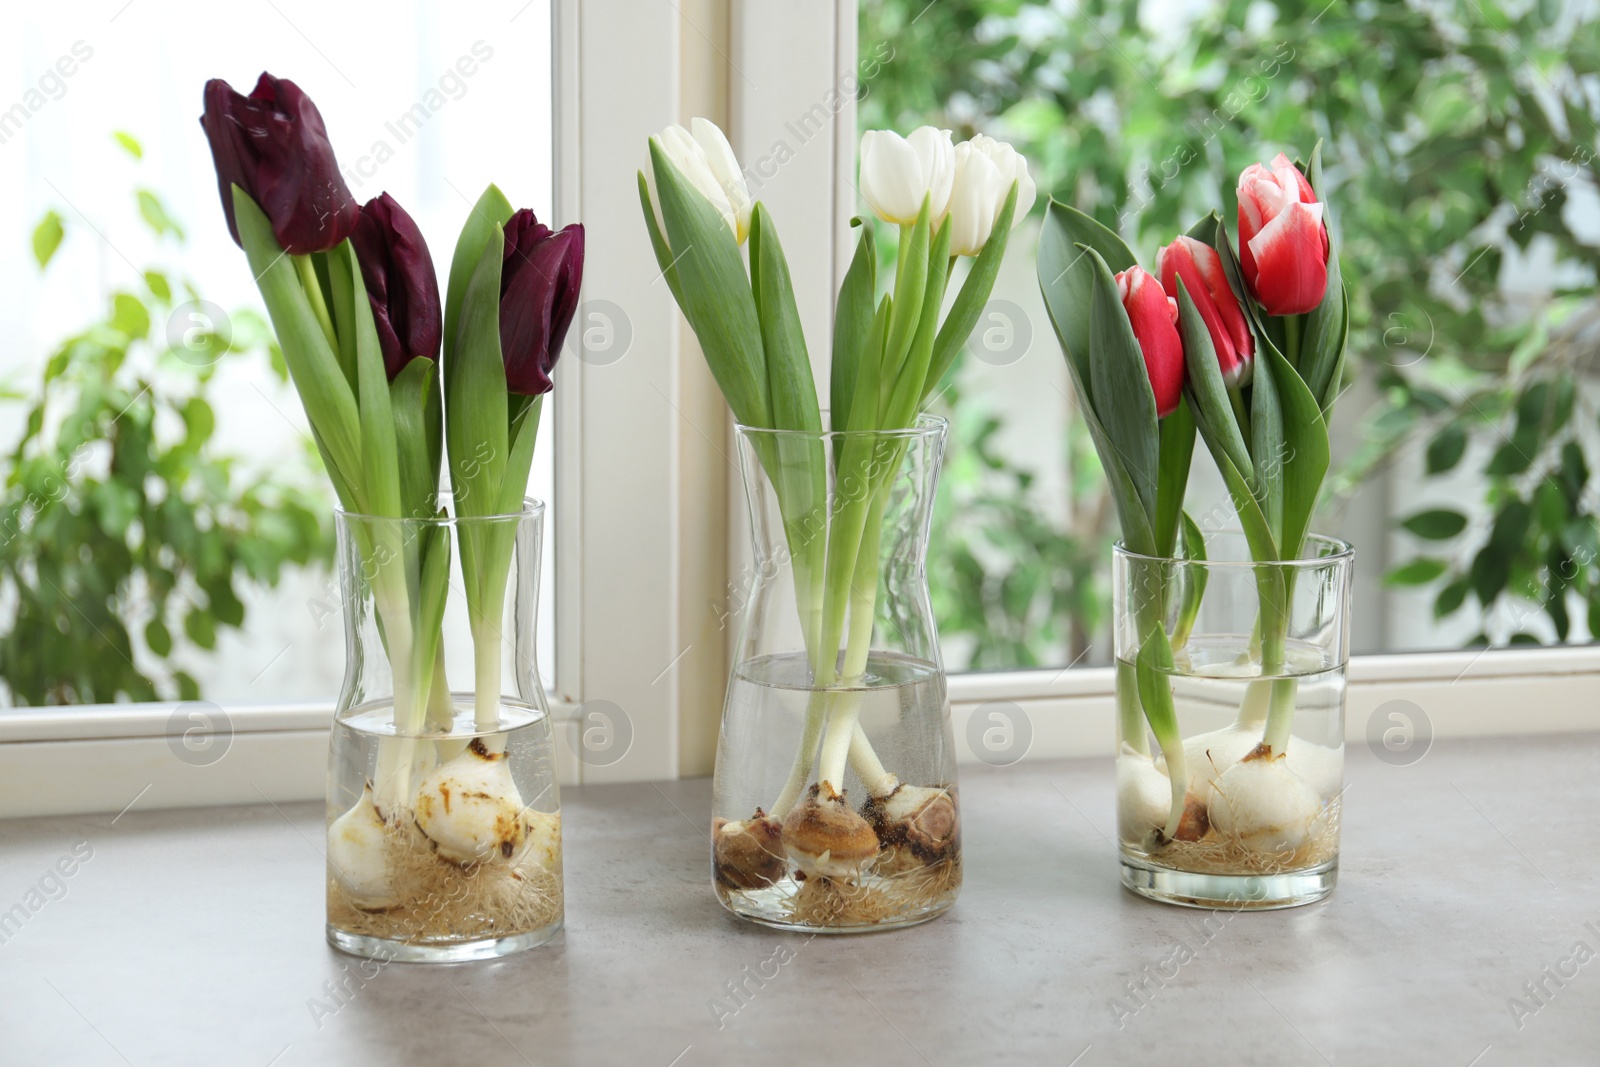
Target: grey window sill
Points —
{"points": [[196, 937]]}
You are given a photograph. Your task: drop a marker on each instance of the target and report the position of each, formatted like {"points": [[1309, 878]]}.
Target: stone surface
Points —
{"points": [[196, 938]]}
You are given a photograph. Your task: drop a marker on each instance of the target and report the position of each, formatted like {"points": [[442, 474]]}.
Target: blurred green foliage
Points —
{"points": [[1457, 133], [118, 516]]}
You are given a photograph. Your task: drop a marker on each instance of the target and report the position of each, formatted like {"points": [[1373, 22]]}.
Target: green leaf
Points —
{"points": [[224, 603], [487, 218], [1176, 455], [1204, 388], [200, 628], [1436, 525], [128, 314], [380, 469], [1322, 343], [188, 688], [475, 396], [415, 407], [47, 237], [1417, 572], [1060, 275], [199, 421], [129, 143], [155, 216], [329, 402], [972, 296], [156, 282], [852, 322], [158, 637], [1450, 598], [789, 381], [1307, 456], [1117, 373], [1067, 278], [1269, 450], [714, 292], [1446, 448], [658, 243]]}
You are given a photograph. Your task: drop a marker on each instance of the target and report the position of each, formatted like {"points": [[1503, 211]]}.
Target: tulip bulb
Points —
{"points": [[356, 852], [748, 853], [919, 816], [1265, 804], [825, 838], [469, 808]]}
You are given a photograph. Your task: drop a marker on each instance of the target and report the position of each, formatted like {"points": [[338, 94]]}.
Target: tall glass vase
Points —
{"points": [[1232, 672], [835, 805], [444, 816]]}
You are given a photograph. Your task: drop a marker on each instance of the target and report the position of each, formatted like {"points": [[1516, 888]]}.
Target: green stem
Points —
{"points": [[1241, 413], [863, 596], [1130, 714], [313, 287]]}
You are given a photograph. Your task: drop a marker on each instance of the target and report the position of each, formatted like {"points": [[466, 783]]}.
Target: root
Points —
{"points": [[444, 902], [1218, 853]]}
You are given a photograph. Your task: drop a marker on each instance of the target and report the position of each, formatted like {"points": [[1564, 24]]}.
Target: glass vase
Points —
{"points": [[835, 804], [1235, 670], [444, 818]]}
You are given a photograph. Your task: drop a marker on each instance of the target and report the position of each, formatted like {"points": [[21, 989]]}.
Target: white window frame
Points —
{"points": [[801, 51], [649, 537], [641, 532]]}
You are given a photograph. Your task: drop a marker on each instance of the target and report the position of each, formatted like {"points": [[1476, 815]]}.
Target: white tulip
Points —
{"points": [[707, 162], [976, 197], [897, 173], [984, 173], [1014, 166]]}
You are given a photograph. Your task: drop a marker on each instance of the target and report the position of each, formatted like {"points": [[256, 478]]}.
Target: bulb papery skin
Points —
{"points": [[748, 853], [1209, 756], [470, 810], [922, 817], [825, 838], [1143, 797], [356, 853], [1265, 804], [1320, 767], [542, 845]]}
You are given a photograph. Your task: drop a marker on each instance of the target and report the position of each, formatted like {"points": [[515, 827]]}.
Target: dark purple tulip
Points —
{"points": [[401, 285], [272, 144], [539, 282]]}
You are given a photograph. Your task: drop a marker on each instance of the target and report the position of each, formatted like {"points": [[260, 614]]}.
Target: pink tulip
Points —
{"points": [[1283, 244], [1154, 317], [1200, 268]]}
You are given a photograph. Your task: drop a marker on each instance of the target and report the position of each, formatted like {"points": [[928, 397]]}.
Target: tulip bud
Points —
{"points": [[401, 285], [273, 145], [898, 173], [985, 170], [1154, 316], [1283, 244], [706, 160], [539, 281], [1200, 268]]}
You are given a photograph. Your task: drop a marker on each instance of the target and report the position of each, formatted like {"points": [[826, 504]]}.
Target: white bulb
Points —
{"points": [[1264, 803], [356, 852], [1144, 797], [470, 808]]}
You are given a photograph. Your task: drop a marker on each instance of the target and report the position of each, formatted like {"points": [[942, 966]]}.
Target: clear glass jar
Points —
{"points": [[1246, 662], [835, 804], [444, 815]]}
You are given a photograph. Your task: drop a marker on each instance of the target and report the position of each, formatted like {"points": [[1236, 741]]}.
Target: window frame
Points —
{"points": [[646, 539]]}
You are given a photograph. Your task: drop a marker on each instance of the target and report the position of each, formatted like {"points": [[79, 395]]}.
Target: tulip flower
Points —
{"points": [[539, 282], [706, 159], [985, 170], [1283, 242], [273, 145], [898, 173], [401, 285], [1154, 317], [1198, 264]]}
